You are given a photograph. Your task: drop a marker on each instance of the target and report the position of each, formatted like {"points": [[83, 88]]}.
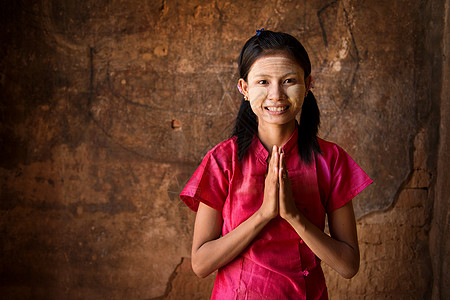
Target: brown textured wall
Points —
{"points": [[107, 108], [440, 224]]}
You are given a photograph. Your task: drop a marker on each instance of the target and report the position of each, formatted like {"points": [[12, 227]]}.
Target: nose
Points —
{"points": [[275, 92]]}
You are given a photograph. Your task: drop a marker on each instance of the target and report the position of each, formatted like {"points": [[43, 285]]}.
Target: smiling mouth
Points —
{"points": [[276, 108]]}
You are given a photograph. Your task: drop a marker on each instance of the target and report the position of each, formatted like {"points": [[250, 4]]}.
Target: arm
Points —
{"points": [[209, 250], [340, 250]]}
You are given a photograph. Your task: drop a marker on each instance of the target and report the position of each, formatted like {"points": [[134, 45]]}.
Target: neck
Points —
{"points": [[278, 135]]}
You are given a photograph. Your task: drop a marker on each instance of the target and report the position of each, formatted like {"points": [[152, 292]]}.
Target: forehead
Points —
{"points": [[275, 64]]}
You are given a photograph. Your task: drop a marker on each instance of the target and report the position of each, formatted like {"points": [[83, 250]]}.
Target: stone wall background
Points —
{"points": [[107, 107]]}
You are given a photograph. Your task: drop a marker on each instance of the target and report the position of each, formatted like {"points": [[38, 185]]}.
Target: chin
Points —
{"points": [[283, 121]]}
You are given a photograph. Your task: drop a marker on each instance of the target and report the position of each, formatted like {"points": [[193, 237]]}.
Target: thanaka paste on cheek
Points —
{"points": [[295, 95], [257, 95]]}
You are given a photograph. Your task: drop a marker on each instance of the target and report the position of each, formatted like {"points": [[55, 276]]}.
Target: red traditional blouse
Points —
{"points": [[277, 264]]}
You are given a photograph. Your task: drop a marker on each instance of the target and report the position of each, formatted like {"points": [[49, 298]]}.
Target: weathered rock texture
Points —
{"points": [[395, 260], [107, 107]]}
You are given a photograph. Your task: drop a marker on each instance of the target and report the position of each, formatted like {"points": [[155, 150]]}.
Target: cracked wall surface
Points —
{"points": [[107, 107], [395, 259]]}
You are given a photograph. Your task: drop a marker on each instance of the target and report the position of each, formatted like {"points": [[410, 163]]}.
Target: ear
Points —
{"points": [[244, 87], [308, 82]]}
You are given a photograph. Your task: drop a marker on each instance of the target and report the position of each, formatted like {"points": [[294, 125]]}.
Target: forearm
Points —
{"points": [[216, 253], [338, 254]]}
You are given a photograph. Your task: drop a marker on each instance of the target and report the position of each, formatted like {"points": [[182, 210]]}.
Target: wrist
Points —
{"points": [[289, 211], [264, 215], [295, 219]]}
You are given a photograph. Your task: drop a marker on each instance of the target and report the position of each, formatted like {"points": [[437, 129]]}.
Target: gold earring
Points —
{"points": [[245, 98]]}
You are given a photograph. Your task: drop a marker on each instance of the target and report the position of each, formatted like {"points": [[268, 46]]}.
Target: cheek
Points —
{"points": [[296, 93], [257, 96]]}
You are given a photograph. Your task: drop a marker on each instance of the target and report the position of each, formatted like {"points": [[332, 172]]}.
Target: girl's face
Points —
{"points": [[275, 88]]}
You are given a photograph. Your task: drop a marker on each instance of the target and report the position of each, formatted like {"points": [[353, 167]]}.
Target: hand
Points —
{"points": [[287, 208], [269, 208]]}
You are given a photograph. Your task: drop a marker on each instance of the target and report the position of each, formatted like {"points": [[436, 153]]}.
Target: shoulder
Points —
{"points": [[333, 156], [329, 150], [336, 159], [340, 177], [223, 153], [224, 148], [209, 183]]}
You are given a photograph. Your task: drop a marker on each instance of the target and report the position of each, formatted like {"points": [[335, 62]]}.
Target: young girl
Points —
{"points": [[261, 196]]}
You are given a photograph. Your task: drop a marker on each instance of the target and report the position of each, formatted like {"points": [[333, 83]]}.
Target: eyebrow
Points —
{"points": [[266, 75]]}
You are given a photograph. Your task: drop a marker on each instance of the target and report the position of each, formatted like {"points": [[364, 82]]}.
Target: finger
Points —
{"points": [[281, 160], [272, 156], [281, 180], [275, 159], [283, 169], [270, 167], [272, 172]]}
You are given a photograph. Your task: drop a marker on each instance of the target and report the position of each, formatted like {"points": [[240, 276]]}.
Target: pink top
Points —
{"points": [[277, 264]]}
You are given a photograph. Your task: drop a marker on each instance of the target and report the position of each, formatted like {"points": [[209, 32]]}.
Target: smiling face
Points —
{"points": [[275, 88]]}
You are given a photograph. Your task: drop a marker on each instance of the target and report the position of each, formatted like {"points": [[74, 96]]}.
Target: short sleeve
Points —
{"points": [[208, 184], [346, 179]]}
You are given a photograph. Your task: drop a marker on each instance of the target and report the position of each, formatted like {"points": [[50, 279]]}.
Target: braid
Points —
{"points": [[245, 128], [308, 128]]}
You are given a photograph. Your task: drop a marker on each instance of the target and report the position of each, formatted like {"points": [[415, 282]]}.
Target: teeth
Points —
{"points": [[271, 108]]}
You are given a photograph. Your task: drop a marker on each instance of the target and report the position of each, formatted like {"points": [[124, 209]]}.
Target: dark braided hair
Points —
{"points": [[246, 125]]}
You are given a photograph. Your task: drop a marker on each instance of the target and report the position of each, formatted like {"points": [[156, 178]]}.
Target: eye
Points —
{"points": [[290, 81], [262, 81]]}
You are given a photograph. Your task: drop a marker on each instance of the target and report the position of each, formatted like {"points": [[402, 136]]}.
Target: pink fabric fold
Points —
{"points": [[277, 264]]}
